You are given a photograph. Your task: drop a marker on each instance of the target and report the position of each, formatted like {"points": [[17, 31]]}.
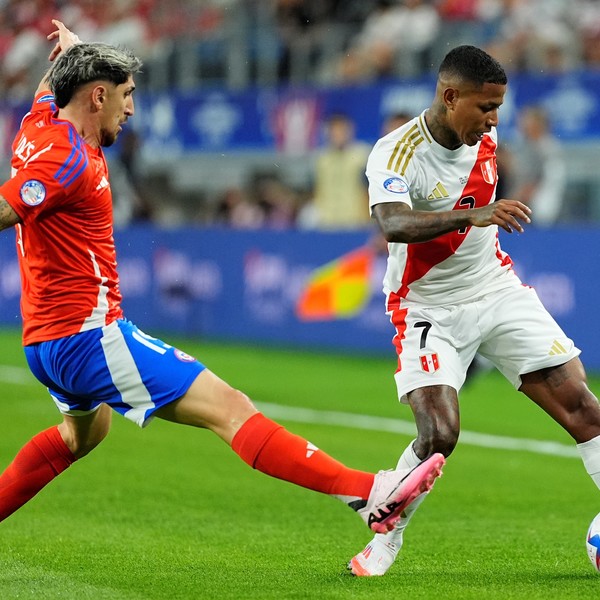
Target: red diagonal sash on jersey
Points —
{"points": [[480, 187], [423, 257]]}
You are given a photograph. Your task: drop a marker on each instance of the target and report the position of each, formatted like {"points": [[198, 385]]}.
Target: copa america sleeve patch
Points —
{"points": [[396, 185], [33, 192]]}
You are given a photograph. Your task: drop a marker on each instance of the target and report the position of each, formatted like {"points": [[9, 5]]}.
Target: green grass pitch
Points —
{"points": [[171, 513]]}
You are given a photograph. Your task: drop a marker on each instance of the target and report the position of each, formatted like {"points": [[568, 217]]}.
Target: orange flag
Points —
{"points": [[339, 289]]}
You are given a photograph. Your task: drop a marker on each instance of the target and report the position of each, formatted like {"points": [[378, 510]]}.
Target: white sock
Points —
{"points": [[407, 462], [590, 453], [409, 459]]}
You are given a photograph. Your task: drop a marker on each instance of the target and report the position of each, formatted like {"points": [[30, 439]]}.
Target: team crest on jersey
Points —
{"points": [[430, 362], [33, 192], [488, 168], [183, 357], [396, 185]]}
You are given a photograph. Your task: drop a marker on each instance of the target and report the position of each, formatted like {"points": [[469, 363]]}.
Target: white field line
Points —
{"points": [[22, 376], [356, 421], [16, 375]]}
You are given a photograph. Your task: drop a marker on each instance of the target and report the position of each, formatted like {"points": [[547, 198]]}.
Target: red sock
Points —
{"points": [[268, 447], [38, 462]]}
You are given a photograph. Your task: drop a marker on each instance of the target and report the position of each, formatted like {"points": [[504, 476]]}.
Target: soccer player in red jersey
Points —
{"points": [[76, 339]]}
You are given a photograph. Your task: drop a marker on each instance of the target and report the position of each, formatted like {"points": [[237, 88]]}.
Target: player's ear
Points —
{"points": [[98, 96], [450, 97]]}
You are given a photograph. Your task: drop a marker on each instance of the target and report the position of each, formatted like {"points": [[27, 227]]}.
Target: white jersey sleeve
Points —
{"points": [[409, 166], [392, 175]]}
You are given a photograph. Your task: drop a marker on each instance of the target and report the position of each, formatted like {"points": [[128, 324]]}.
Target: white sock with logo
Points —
{"points": [[590, 453], [407, 462]]}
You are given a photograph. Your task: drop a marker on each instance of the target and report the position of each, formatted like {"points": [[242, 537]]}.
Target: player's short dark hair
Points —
{"points": [[83, 63], [472, 64]]}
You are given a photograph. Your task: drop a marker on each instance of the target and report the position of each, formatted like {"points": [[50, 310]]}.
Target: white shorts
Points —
{"points": [[511, 328]]}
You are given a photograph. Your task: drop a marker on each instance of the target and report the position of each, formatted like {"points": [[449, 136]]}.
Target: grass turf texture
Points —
{"points": [[170, 512]]}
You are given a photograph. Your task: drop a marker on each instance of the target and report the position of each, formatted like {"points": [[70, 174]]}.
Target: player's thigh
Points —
{"points": [[211, 403], [563, 393], [435, 346], [521, 336]]}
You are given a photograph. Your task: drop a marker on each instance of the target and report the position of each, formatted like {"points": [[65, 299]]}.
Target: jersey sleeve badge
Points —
{"points": [[33, 192], [396, 185]]}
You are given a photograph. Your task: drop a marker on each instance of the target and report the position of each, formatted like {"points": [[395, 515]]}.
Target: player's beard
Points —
{"points": [[108, 138]]}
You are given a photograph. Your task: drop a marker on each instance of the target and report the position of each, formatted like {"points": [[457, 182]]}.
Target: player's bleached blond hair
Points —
{"points": [[83, 63]]}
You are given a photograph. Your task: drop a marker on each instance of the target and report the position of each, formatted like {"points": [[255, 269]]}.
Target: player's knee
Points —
{"points": [[442, 439], [84, 447], [238, 403], [79, 446], [444, 442], [583, 414], [82, 441]]}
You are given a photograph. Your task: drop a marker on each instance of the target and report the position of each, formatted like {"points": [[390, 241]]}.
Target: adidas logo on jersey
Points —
{"points": [[103, 183], [557, 348], [439, 191]]}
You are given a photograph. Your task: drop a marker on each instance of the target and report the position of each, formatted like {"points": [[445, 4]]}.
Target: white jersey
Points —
{"points": [[409, 166]]}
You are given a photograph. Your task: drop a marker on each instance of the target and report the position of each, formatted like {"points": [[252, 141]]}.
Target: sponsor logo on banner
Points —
{"points": [[430, 362], [295, 122], [488, 168], [216, 120]]}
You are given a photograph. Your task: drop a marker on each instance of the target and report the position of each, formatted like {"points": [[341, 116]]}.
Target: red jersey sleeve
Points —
{"points": [[65, 245], [45, 166]]}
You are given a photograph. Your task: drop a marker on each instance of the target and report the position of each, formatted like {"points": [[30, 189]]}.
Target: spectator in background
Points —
{"points": [[276, 200], [266, 201], [131, 202], [538, 167], [537, 35], [395, 40], [234, 209], [120, 24], [21, 66], [588, 24], [395, 120], [301, 26], [340, 189]]}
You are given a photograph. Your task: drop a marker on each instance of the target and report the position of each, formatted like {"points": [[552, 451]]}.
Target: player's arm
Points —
{"points": [[8, 217], [65, 39], [400, 223]]}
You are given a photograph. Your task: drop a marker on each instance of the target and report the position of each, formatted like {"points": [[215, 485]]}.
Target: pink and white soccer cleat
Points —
{"points": [[391, 493]]}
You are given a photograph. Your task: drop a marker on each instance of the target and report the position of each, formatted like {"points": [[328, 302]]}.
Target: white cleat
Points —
{"points": [[377, 557], [391, 494]]}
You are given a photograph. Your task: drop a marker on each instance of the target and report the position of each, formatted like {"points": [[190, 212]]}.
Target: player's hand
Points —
{"points": [[66, 39], [507, 214]]}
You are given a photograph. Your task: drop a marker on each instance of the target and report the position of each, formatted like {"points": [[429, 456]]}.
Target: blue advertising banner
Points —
{"points": [[245, 286], [290, 119]]}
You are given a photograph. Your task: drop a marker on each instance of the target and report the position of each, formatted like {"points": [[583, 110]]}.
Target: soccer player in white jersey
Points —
{"points": [[450, 289]]}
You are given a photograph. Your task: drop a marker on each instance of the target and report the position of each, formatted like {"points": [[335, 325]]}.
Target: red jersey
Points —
{"points": [[65, 243]]}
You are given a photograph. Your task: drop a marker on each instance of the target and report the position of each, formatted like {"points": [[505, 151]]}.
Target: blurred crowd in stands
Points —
{"points": [[238, 43]]}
